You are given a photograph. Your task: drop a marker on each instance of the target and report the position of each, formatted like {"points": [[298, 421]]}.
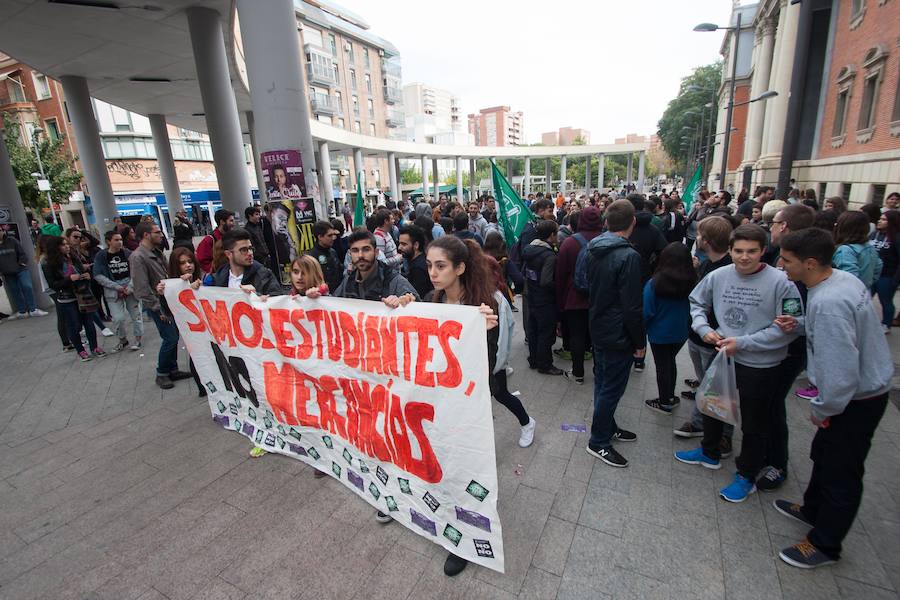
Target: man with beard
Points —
{"points": [[412, 247]]}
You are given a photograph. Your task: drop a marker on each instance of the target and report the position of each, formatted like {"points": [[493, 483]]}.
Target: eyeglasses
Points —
{"points": [[244, 249]]}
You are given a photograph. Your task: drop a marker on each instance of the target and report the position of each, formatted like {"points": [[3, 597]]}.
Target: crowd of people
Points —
{"points": [[781, 287]]}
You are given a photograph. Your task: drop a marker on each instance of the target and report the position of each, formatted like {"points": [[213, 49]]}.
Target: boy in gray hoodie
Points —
{"points": [[746, 296], [851, 365]]}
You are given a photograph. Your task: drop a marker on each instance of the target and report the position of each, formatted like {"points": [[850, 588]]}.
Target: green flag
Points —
{"points": [[691, 190], [359, 212], [512, 212]]}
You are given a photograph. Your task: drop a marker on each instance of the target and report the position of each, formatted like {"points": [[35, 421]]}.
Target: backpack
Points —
{"points": [[580, 279]]}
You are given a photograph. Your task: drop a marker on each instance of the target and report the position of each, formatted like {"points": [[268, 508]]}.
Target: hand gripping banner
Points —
{"points": [[394, 403]]}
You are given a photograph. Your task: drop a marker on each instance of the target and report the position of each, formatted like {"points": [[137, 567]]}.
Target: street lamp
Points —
{"points": [[37, 150]]}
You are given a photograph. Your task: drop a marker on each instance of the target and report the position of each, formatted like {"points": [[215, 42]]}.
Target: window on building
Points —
{"points": [[366, 58], [895, 113], [339, 101], [357, 127], [845, 86], [355, 101], [337, 73], [857, 12], [350, 52], [340, 123], [332, 44], [41, 86], [312, 36], [371, 107], [324, 119], [845, 191], [869, 102], [372, 129], [873, 62], [352, 79], [15, 90], [368, 79], [52, 129], [878, 190]]}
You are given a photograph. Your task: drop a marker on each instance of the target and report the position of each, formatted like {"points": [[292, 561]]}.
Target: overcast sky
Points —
{"points": [[609, 66]]}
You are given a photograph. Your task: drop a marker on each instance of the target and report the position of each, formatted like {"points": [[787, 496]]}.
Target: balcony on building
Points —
{"points": [[392, 94], [323, 104], [319, 66], [395, 118]]}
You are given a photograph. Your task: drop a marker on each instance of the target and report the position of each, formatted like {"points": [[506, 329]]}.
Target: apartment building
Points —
{"points": [[497, 126]]}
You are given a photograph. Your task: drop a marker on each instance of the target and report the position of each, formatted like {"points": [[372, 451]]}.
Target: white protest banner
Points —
{"points": [[395, 403]]}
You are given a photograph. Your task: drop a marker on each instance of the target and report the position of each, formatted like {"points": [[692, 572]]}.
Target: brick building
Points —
{"points": [[497, 126]]}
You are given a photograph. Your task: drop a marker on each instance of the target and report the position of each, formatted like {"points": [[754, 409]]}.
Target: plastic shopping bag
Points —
{"points": [[717, 396]]}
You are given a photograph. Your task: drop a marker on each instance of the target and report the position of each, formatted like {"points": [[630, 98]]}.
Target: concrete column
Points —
{"points": [[9, 193], [629, 173], [257, 166], [601, 163], [435, 180], [562, 175], [526, 186], [219, 104], [393, 177], [548, 176], [459, 180], [640, 181], [359, 169], [587, 174], [776, 111], [762, 70], [166, 163], [90, 151], [473, 185], [325, 176], [425, 178]]}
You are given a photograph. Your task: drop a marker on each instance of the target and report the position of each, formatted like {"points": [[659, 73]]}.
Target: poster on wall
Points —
{"points": [[291, 212], [392, 403]]}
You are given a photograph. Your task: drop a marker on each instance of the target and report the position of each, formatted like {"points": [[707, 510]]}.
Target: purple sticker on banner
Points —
{"points": [[423, 522], [576, 427], [248, 429], [221, 420], [473, 518], [297, 449], [355, 479]]}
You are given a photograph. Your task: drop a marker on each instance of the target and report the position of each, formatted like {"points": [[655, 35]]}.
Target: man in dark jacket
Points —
{"points": [[461, 229], [572, 303], [617, 326], [412, 247], [241, 269], [14, 269], [646, 238], [256, 227], [324, 252], [371, 279], [540, 270]]}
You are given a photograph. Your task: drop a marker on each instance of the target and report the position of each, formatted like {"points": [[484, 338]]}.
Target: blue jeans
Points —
{"points": [[75, 320], [21, 290], [884, 288], [611, 371], [167, 361]]}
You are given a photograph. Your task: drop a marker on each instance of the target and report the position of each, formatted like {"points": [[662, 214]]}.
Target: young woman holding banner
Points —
{"points": [[460, 274], [183, 265]]}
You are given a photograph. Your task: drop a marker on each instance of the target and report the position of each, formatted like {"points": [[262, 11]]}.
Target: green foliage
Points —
{"points": [[686, 108], [59, 167], [410, 175]]}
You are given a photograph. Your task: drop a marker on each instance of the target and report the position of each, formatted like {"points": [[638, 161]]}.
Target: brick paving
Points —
{"points": [[114, 489]]}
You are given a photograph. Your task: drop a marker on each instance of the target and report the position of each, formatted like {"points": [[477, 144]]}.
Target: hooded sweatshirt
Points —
{"points": [[567, 297], [649, 241], [614, 276], [540, 269], [861, 260]]}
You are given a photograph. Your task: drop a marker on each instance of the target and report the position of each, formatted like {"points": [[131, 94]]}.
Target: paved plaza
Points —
{"points": [[114, 489]]}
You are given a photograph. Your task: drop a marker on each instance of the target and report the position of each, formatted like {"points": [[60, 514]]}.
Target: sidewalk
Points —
{"points": [[114, 489]]}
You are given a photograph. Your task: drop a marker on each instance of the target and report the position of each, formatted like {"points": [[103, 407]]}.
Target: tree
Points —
{"points": [[59, 167], [410, 175], [685, 110]]}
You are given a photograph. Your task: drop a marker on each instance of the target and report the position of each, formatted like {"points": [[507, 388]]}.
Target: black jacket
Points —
{"points": [[261, 278], [386, 281], [540, 269], [332, 268], [416, 272], [258, 239], [648, 241], [616, 294]]}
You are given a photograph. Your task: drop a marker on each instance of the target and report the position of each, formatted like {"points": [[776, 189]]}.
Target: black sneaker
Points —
{"points": [[454, 565], [687, 430], [177, 375], [692, 383], [571, 377], [659, 407], [771, 479], [725, 447], [608, 455], [551, 371], [805, 556], [164, 382], [623, 435], [688, 395], [789, 509], [383, 518], [639, 367]]}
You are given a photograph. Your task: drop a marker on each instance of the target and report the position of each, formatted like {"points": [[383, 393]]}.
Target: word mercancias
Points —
{"points": [[391, 346]]}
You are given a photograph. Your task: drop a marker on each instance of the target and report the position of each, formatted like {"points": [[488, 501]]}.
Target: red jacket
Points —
{"points": [[567, 297], [205, 251]]}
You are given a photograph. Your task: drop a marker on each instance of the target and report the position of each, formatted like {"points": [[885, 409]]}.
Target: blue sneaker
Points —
{"points": [[696, 457], [737, 490]]}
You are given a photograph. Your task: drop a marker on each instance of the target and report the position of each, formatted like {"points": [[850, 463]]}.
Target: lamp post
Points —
{"points": [[37, 150]]}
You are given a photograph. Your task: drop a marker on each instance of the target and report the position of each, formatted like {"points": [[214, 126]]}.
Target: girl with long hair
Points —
{"points": [[886, 240], [496, 247], [855, 254], [307, 277], [460, 275], [183, 265], [667, 314], [70, 283]]}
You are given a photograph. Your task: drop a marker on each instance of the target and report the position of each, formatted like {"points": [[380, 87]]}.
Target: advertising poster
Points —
{"points": [[393, 403]]}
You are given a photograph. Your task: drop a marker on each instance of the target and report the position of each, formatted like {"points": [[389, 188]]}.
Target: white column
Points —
{"points": [[762, 70], [548, 176], [473, 185], [562, 175], [776, 111], [630, 172], [325, 177], [9, 191], [394, 181], [459, 180], [601, 160], [435, 180], [90, 152], [166, 163], [257, 166], [425, 178], [527, 182], [587, 174], [359, 169], [640, 182]]}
